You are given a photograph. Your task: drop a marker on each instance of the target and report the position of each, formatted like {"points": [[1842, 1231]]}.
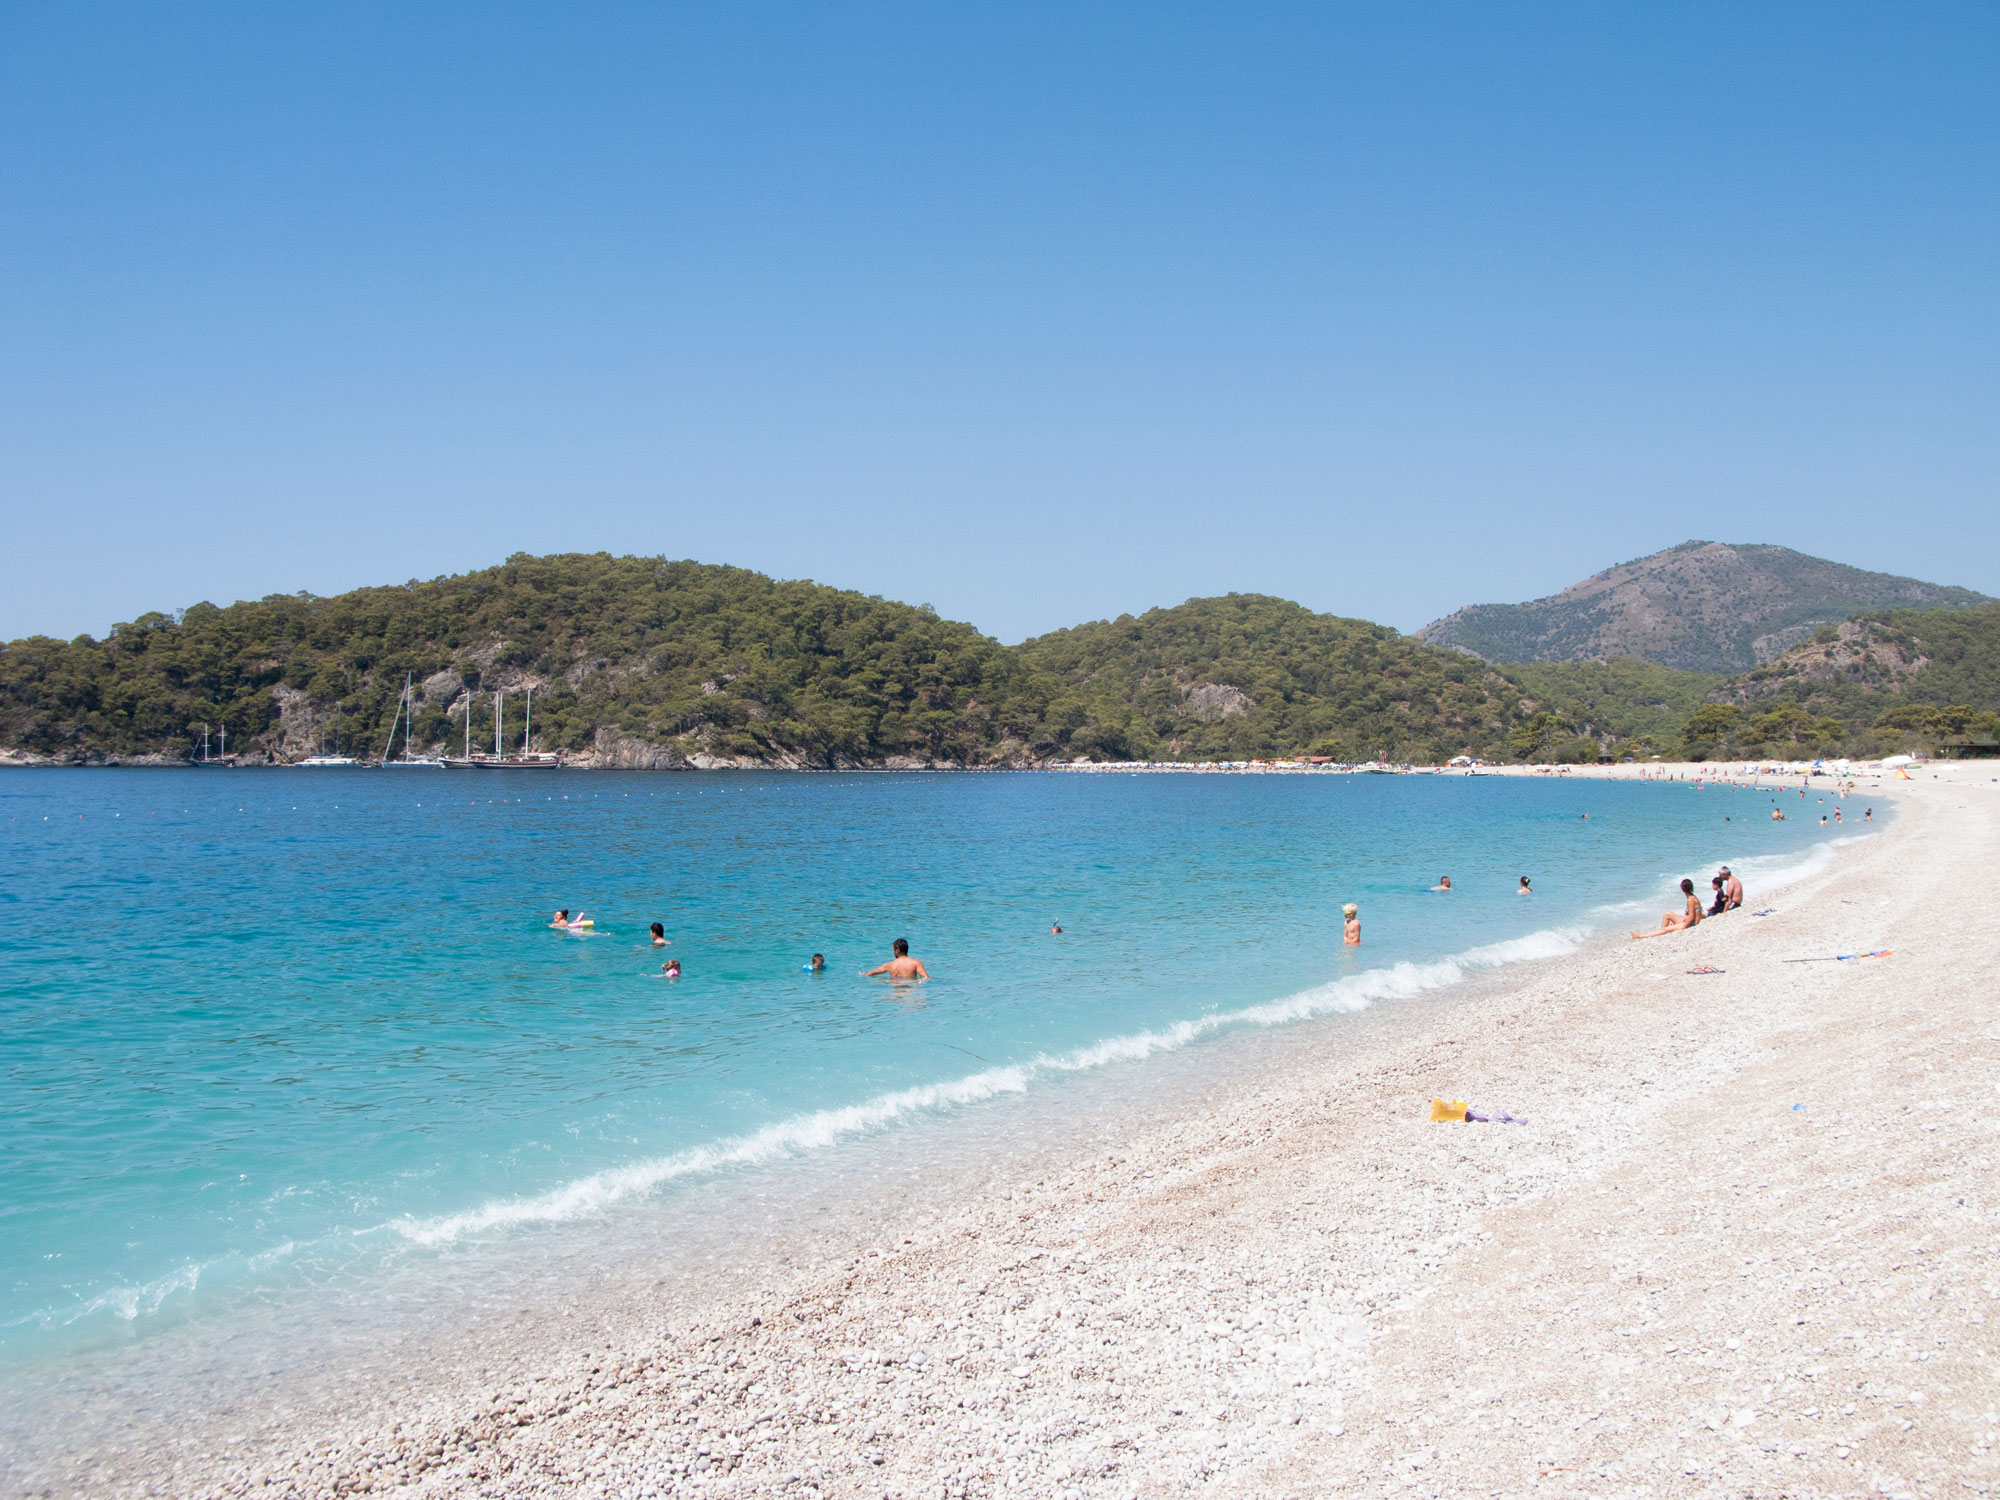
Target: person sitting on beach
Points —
{"points": [[1732, 887], [1522, 889], [1679, 921], [671, 968], [818, 964], [1444, 883], [1350, 928], [1721, 902], [659, 936], [902, 966]]}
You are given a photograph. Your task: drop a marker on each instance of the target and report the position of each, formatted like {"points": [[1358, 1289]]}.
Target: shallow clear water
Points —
{"points": [[260, 1031]]}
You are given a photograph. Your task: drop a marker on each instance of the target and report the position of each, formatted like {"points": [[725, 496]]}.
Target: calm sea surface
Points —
{"points": [[263, 1029]]}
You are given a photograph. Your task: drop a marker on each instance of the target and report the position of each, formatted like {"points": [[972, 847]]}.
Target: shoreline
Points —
{"points": [[1084, 1354]]}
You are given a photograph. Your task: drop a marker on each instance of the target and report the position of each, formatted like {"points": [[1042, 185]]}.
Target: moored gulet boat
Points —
{"points": [[523, 759]]}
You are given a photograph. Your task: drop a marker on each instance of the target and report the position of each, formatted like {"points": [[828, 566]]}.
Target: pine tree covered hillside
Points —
{"points": [[646, 662], [638, 660], [1248, 676]]}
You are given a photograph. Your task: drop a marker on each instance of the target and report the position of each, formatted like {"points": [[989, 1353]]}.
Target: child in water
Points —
{"points": [[818, 964], [671, 968], [1351, 927]]}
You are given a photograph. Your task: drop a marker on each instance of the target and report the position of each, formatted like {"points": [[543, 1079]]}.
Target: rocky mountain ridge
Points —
{"points": [[1700, 607]]}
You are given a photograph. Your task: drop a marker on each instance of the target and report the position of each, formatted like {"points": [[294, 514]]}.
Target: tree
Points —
{"points": [[1708, 728]]}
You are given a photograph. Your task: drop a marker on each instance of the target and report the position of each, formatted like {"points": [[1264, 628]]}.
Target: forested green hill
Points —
{"points": [[1248, 676], [710, 660], [1885, 681], [647, 662]]}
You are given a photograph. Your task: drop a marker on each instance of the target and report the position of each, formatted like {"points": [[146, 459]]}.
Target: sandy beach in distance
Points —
{"points": [[1745, 1245]]}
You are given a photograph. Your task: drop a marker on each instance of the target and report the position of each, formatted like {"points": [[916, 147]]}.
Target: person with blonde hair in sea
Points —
{"points": [[1351, 925]]}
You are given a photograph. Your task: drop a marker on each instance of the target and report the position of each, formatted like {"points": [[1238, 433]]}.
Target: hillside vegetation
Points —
{"points": [[642, 661], [1701, 606], [1248, 676], [1889, 681], [711, 660]]}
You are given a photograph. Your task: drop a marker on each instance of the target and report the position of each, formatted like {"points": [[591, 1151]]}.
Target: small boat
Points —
{"points": [[405, 712], [328, 760]]}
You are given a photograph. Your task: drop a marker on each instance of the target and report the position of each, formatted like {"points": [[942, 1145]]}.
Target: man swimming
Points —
{"points": [[659, 936], [902, 966], [1444, 883]]}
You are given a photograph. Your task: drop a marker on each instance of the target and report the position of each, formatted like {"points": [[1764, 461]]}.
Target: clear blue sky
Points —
{"points": [[1035, 313]]}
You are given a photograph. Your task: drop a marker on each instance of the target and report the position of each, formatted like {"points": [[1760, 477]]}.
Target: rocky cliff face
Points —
{"points": [[1701, 606]]}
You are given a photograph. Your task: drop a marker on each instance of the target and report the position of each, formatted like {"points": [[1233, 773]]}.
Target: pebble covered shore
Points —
{"points": [[1672, 1280]]}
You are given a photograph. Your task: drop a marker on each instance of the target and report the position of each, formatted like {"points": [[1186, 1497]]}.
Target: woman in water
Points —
{"points": [[659, 936], [1351, 927], [1677, 921], [1522, 889], [561, 918]]}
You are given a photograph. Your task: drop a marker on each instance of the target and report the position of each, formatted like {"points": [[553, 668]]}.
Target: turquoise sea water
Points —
{"points": [[259, 1029]]}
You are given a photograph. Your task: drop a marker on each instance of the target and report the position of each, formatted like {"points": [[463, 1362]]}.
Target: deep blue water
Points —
{"points": [[260, 1027]]}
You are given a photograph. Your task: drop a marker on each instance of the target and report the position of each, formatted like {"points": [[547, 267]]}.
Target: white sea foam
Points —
{"points": [[592, 1195]]}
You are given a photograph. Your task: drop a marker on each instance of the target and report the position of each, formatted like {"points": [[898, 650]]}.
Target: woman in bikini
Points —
{"points": [[1677, 921]]}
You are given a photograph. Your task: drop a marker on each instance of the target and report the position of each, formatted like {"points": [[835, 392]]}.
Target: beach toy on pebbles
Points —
{"points": [[1707, 969], [1459, 1110]]}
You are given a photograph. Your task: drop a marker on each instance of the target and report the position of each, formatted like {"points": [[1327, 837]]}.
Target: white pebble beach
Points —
{"points": [[1747, 1243]]}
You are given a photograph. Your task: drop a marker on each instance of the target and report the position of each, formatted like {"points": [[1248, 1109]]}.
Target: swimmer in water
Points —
{"points": [[1777, 815], [560, 919], [902, 966], [818, 964], [1444, 883], [1350, 928], [671, 969], [1055, 929], [659, 936], [1522, 888]]}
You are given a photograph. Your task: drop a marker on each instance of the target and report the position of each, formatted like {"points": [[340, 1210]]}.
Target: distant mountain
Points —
{"points": [[1701, 606]]}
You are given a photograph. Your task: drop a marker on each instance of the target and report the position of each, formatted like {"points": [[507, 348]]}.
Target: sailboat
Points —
{"points": [[523, 759], [222, 757], [406, 710]]}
